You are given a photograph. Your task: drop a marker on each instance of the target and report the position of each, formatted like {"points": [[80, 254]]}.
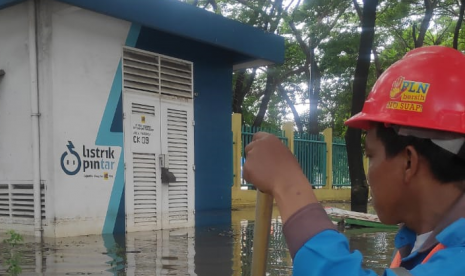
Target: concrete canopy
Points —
{"points": [[249, 46]]}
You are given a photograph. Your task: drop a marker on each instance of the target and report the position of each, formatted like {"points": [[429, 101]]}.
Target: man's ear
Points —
{"points": [[411, 163]]}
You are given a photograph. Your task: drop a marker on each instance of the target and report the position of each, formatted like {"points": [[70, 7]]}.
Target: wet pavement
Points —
{"points": [[225, 250]]}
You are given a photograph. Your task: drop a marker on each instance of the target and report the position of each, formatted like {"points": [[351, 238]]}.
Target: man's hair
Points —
{"points": [[445, 166]]}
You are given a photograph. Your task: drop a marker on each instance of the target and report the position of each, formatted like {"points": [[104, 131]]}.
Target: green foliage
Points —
{"points": [[276, 108], [14, 258], [332, 27], [13, 264], [14, 239]]}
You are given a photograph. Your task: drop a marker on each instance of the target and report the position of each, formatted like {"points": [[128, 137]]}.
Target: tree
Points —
{"points": [[285, 94], [429, 9], [459, 24], [269, 89], [320, 17], [327, 60], [359, 191], [242, 84]]}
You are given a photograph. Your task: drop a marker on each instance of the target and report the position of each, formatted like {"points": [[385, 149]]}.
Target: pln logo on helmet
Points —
{"points": [[408, 95]]}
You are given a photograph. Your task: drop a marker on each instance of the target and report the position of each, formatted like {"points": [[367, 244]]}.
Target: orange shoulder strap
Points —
{"points": [[398, 259], [438, 247]]}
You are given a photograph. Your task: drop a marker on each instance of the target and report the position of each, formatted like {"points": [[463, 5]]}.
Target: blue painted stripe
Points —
{"points": [[114, 220]]}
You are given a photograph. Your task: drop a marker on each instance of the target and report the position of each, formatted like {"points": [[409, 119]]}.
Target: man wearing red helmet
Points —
{"points": [[414, 119]]}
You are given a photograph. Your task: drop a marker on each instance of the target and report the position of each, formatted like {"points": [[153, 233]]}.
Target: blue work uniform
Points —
{"points": [[318, 249]]}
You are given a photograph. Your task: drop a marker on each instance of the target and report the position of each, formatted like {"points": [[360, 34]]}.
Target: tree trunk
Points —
{"points": [[378, 68], [214, 6], [269, 89], [297, 120], [313, 117], [237, 93], [358, 9], [270, 24], [244, 82], [425, 22], [309, 62], [359, 191], [459, 25], [314, 93]]}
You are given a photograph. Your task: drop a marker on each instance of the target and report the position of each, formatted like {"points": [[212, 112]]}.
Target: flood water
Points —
{"points": [[215, 251]]}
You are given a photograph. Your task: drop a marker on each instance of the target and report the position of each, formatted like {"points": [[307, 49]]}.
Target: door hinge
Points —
{"points": [[124, 115], [193, 167], [162, 158], [124, 165], [193, 122]]}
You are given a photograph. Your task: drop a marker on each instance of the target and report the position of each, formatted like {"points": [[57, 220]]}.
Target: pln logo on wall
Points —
{"points": [[90, 161]]}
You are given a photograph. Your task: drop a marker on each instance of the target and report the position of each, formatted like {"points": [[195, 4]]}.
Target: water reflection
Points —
{"points": [[376, 247], [279, 259], [224, 250]]}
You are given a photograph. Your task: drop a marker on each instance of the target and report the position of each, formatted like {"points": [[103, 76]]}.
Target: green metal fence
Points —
{"points": [[247, 135], [341, 177], [310, 151]]}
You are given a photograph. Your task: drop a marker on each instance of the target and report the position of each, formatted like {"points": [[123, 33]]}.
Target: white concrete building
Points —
{"points": [[103, 102]]}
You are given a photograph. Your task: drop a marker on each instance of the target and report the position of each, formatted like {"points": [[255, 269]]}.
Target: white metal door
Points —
{"points": [[158, 107], [143, 192], [177, 136]]}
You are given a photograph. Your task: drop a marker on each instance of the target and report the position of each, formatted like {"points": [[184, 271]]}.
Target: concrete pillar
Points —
{"points": [[328, 133], [237, 152], [288, 128]]}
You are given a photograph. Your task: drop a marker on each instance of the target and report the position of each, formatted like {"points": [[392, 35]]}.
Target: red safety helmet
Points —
{"points": [[425, 89]]}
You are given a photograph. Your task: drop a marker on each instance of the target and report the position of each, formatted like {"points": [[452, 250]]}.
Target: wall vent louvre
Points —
{"points": [[145, 189], [150, 72], [141, 71], [17, 202], [176, 77], [143, 109]]}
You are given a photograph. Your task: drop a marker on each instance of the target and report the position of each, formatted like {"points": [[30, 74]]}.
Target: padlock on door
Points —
{"points": [[166, 176]]}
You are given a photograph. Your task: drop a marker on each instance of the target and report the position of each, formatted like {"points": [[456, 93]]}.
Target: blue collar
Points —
{"points": [[452, 235], [405, 237]]}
